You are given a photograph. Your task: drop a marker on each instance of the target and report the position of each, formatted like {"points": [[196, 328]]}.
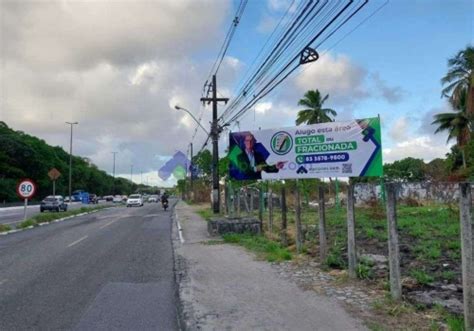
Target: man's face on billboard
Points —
{"points": [[249, 142]]}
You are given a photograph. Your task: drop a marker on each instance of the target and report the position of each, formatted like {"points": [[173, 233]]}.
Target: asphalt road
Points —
{"points": [[108, 270], [15, 215]]}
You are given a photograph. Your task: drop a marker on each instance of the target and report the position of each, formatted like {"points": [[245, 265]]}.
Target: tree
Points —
{"points": [[203, 162], [457, 123], [460, 79], [406, 170], [314, 111]]}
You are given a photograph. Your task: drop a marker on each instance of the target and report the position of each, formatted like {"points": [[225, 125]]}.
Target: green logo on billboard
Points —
{"points": [[281, 143]]}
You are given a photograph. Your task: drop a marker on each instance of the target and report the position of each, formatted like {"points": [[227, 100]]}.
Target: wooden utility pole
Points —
{"points": [[215, 130]]}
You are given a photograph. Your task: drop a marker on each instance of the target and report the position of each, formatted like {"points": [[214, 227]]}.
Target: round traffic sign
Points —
{"points": [[26, 188]]}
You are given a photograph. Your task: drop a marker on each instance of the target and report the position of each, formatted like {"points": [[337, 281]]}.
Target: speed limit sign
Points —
{"points": [[26, 189]]}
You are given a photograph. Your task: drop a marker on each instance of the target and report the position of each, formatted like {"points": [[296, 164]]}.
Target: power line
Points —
{"points": [[314, 21]]}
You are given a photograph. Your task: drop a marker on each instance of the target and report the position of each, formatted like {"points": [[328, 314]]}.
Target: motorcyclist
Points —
{"points": [[164, 199]]}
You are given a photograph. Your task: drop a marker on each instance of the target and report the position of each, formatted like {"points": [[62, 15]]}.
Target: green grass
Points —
{"points": [[429, 234], [265, 248], [455, 323], [422, 277], [5, 228], [206, 213], [49, 217]]}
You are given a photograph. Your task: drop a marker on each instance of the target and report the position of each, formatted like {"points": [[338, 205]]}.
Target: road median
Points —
{"points": [[48, 218]]}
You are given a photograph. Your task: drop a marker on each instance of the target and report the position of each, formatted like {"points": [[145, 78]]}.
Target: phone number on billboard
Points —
{"points": [[322, 158]]}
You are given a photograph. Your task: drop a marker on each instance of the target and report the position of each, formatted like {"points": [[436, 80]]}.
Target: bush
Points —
{"points": [[364, 269], [335, 260], [26, 224], [4, 228]]}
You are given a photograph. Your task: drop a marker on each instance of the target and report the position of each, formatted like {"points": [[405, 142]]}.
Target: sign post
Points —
{"points": [[54, 174], [26, 189]]}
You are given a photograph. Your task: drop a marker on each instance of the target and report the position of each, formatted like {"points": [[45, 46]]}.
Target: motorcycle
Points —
{"points": [[164, 204]]}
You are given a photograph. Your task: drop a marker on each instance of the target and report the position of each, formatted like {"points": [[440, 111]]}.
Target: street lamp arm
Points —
{"points": [[192, 116]]}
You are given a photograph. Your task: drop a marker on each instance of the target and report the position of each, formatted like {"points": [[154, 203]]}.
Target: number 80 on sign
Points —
{"points": [[26, 189]]}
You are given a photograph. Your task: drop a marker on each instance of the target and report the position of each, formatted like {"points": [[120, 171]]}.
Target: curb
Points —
{"points": [[49, 223]]}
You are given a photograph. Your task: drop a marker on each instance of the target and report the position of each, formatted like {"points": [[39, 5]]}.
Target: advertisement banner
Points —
{"points": [[334, 149]]}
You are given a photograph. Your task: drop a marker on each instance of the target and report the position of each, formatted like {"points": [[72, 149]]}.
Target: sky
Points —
{"points": [[119, 68]]}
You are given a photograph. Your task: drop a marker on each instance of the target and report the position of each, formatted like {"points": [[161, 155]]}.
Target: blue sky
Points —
{"points": [[406, 45]]}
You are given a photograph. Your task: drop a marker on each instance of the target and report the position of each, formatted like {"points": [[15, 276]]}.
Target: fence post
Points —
{"points": [[467, 251], [322, 226], [251, 202], [238, 202], [351, 244], [283, 235], [393, 250], [299, 236], [270, 209], [260, 207]]}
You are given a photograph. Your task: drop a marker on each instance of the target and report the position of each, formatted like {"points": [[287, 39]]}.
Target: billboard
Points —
{"points": [[334, 149]]}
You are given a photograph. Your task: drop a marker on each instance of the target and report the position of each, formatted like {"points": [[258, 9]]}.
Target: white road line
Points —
{"points": [[3, 281], [103, 226], [77, 241]]}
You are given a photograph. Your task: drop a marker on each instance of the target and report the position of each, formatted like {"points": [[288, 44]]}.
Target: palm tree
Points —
{"points": [[314, 112], [460, 78], [458, 124]]}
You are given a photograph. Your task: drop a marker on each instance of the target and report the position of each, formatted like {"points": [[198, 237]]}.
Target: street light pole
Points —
{"points": [[70, 159], [192, 116]]}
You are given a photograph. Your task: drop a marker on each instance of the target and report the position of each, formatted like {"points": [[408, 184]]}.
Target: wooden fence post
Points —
{"points": [[238, 202], [270, 209], [351, 244], [260, 207], [323, 249], [299, 235], [283, 234], [251, 202], [467, 251], [393, 249]]}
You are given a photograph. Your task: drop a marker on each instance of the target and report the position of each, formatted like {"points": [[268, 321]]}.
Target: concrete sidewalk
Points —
{"points": [[223, 287]]}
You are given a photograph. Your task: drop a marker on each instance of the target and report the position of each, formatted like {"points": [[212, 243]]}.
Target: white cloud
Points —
{"points": [[421, 147], [117, 68], [263, 107], [399, 129], [335, 75]]}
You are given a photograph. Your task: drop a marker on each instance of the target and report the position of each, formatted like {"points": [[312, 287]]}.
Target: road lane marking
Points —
{"points": [[103, 226], [77, 241]]}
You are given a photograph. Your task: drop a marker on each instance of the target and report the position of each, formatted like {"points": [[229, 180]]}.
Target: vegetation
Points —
{"points": [[265, 248], [49, 217], [4, 228], [23, 155], [314, 111]]}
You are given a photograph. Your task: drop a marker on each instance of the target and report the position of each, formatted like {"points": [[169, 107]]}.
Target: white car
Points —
{"points": [[153, 198], [117, 199], [135, 200]]}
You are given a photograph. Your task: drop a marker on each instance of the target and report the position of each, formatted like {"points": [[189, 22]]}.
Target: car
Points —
{"points": [[153, 198], [93, 198], [109, 198], [53, 203], [135, 200], [117, 199]]}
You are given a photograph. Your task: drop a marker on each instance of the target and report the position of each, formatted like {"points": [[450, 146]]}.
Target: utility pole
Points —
{"points": [[113, 169], [192, 169], [113, 174], [215, 130], [70, 159]]}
